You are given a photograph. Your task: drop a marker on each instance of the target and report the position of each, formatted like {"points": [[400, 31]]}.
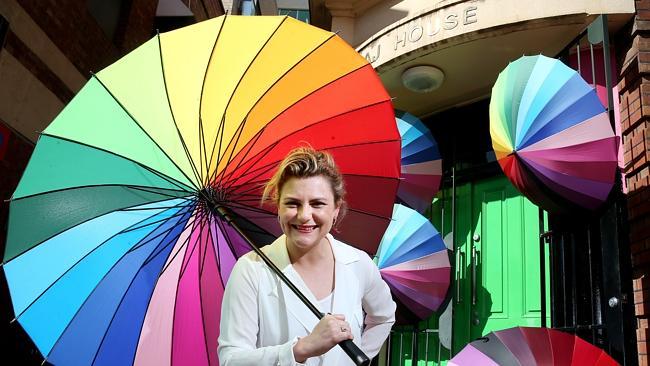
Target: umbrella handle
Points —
{"points": [[356, 354]]}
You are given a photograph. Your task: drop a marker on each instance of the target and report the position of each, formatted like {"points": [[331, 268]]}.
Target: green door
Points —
{"points": [[497, 260], [497, 242]]}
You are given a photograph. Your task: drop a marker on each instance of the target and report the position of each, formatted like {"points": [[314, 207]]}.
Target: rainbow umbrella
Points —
{"points": [[114, 253], [421, 163], [531, 346], [413, 260], [551, 134]]}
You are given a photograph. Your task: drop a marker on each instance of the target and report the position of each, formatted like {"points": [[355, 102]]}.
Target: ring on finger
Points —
{"points": [[343, 329]]}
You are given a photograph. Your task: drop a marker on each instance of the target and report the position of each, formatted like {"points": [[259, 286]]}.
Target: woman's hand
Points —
{"points": [[329, 331]]}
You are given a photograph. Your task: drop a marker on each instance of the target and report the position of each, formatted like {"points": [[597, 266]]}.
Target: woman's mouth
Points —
{"points": [[305, 228]]}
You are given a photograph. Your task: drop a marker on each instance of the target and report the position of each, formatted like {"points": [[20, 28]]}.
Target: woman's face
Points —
{"points": [[306, 209]]}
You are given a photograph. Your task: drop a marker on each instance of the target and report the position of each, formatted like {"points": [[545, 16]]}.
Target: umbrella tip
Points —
{"points": [[392, 98], [13, 320], [44, 360]]}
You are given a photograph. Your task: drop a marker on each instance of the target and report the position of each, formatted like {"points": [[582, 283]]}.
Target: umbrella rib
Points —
{"points": [[215, 242], [170, 180], [171, 111], [258, 230], [201, 145], [200, 275], [261, 154], [74, 265], [228, 241], [99, 185], [242, 123], [171, 353], [181, 213], [69, 228], [147, 261], [252, 143], [140, 126], [143, 189], [190, 221], [200, 219], [237, 205], [307, 95], [205, 73], [153, 222], [226, 182]]}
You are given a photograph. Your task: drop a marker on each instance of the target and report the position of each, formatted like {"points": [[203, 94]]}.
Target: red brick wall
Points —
{"points": [[77, 34], [634, 88]]}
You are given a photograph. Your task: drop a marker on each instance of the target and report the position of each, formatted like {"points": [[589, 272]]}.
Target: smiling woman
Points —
{"points": [[262, 321]]}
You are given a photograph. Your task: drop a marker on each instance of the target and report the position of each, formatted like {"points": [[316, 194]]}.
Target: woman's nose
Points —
{"points": [[304, 213]]}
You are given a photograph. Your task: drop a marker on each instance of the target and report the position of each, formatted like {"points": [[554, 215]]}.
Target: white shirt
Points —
{"points": [[261, 318]]}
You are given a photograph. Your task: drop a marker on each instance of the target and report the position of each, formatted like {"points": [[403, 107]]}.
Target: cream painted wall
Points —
{"points": [[423, 26]]}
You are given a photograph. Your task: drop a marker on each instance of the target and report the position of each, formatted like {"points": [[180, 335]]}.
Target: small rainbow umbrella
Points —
{"points": [[115, 255], [414, 262], [421, 163], [531, 346], [551, 134]]}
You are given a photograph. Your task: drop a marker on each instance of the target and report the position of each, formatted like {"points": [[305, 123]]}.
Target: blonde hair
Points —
{"points": [[305, 162]]}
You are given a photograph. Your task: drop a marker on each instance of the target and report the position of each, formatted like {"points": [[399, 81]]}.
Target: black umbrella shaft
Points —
{"points": [[224, 213], [351, 349]]}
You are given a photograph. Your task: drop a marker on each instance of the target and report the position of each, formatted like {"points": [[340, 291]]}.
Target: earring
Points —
{"points": [[278, 218], [334, 222]]}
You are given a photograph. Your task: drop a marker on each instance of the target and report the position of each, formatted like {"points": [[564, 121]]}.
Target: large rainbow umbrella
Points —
{"points": [[414, 261], [114, 254], [552, 135], [421, 163], [531, 347]]}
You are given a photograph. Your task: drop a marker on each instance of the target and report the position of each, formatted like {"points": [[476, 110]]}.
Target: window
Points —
{"points": [[249, 7], [300, 14]]}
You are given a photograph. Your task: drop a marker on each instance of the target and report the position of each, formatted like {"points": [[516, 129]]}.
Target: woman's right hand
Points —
{"points": [[329, 331]]}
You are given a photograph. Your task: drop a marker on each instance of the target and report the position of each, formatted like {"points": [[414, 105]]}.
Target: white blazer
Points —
{"points": [[261, 319]]}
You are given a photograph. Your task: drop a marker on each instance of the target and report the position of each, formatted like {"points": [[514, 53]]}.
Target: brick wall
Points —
{"points": [[79, 36], [634, 88]]}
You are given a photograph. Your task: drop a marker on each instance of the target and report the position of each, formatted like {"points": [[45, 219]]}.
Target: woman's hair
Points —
{"points": [[305, 162]]}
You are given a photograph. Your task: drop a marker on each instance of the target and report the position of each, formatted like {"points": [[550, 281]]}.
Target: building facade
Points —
{"points": [[439, 61]]}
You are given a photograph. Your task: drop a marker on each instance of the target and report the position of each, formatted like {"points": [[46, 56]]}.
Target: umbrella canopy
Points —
{"points": [[531, 346], [414, 262], [114, 253], [552, 135], [421, 163]]}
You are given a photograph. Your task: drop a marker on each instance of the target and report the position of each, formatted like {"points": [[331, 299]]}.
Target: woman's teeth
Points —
{"points": [[304, 228]]}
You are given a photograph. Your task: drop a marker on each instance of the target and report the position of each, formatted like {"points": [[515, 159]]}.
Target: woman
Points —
{"points": [[262, 321]]}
